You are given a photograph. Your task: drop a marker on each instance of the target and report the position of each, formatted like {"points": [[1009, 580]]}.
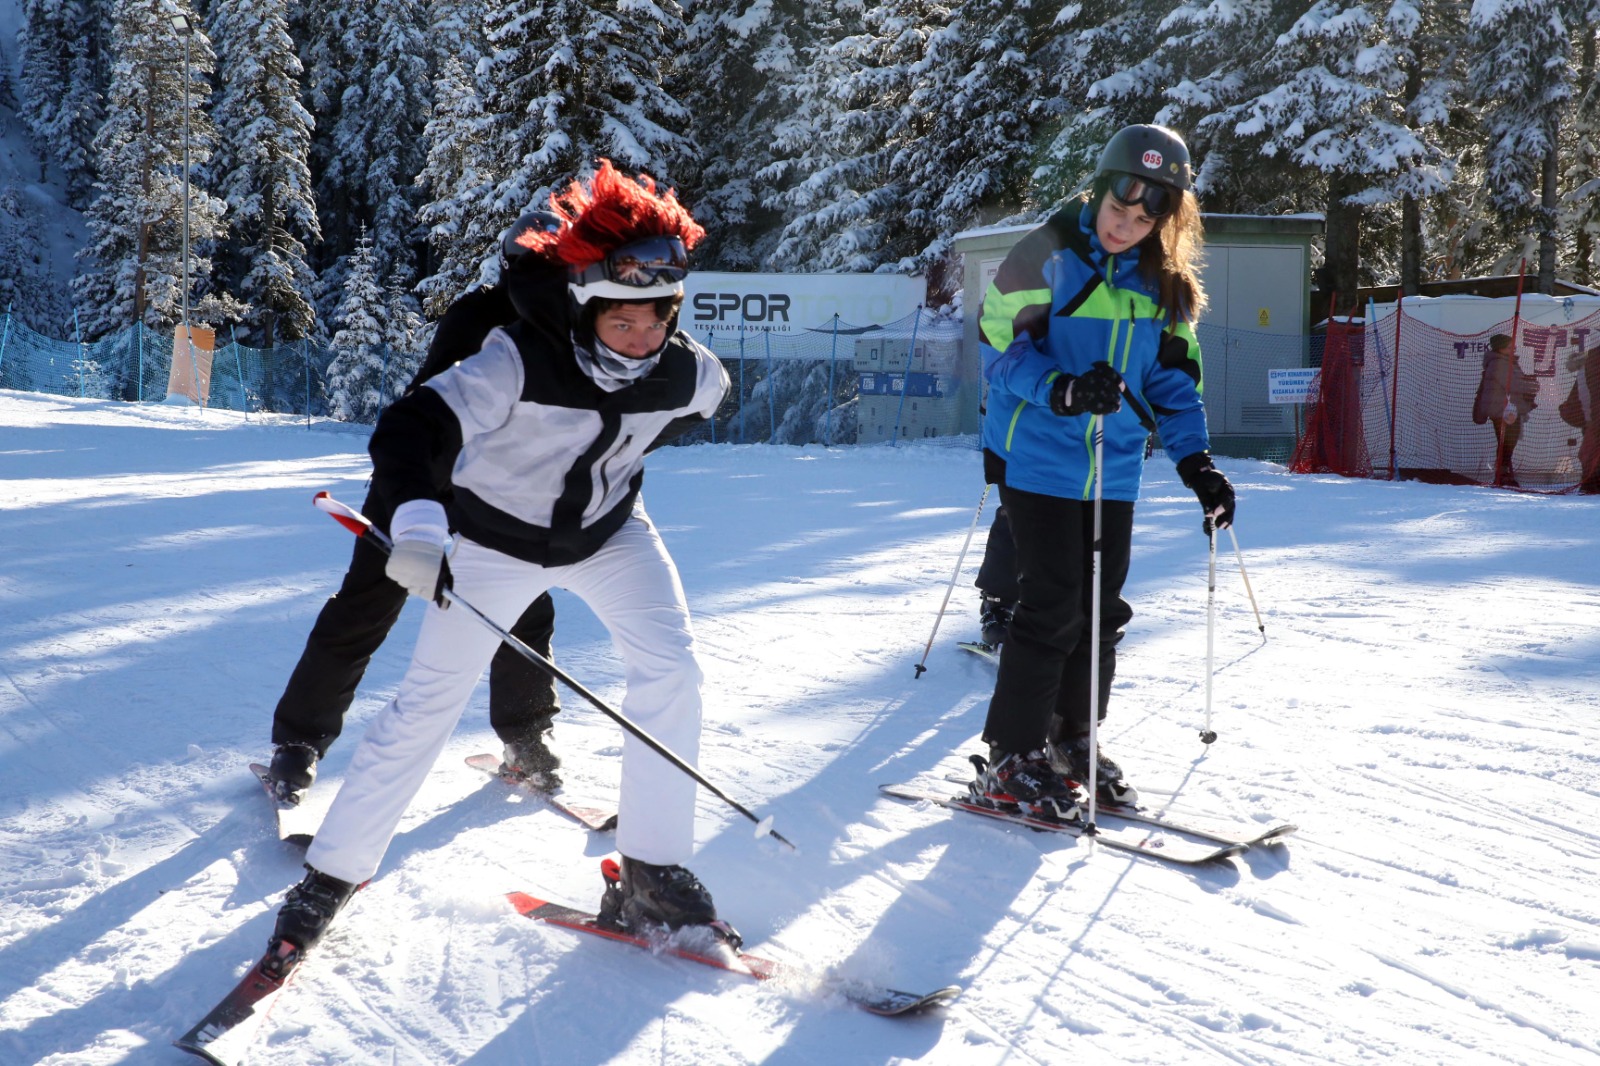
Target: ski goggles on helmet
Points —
{"points": [[654, 266], [1153, 198]]}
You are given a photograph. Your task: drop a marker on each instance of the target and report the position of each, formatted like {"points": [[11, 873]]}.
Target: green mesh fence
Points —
{"points": [[839, 383], [136, 365], [846, 384]]}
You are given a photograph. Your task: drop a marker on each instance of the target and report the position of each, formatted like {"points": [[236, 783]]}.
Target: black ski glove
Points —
{"points": [[1099, 392], [1210, 487]]}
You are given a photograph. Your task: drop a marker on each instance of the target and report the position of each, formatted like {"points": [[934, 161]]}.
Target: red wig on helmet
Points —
{"points": [[608, 212]]}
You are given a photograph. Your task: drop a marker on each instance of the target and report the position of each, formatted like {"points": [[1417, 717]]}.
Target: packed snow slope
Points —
{"points": [[1424, 706]]}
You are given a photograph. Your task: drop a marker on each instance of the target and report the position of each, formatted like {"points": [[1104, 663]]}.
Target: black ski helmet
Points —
{"points": [[510, 250], [1151, 153]]}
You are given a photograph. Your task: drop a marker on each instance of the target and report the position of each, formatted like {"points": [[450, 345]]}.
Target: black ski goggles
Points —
{"points": [[641, 264], [1153, 198]]}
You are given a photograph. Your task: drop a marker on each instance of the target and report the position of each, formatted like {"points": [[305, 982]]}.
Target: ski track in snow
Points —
{"points": [[1423, 707]]}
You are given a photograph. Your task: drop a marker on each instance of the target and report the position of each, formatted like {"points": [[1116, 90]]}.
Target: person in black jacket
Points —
{"points": [[545, 432], [353, 623], [997, 581]]}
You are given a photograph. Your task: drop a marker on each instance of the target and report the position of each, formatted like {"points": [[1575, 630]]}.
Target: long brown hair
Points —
{"points": [[1169, 258]]}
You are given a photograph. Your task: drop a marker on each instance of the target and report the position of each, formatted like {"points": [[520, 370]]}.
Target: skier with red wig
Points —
{"points": [[544, 431]]}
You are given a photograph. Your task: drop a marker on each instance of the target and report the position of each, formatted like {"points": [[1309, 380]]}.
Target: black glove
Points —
{"points": [[1210, 487], [1099, 392]]}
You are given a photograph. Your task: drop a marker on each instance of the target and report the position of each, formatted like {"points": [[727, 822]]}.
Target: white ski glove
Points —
{"points": [[416, 562], [1510, 413]]}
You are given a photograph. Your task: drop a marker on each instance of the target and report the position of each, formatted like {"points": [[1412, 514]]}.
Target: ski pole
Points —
{"points": [[1237, 554], [922, 666], [359, 524], [1089, 830], [1208, 735]]}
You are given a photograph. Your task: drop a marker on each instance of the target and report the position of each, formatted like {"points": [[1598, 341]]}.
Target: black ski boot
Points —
{"points": [[1072, 754], [639, 895], [309, 907], [1010, 779], [995, 618], [529, 759], [293, 769]]}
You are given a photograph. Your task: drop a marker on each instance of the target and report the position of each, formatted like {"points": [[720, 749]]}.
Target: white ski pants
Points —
{"points": [[632, 586]]}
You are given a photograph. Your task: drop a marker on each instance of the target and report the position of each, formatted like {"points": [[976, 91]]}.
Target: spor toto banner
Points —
{"points": [[726, 303]]}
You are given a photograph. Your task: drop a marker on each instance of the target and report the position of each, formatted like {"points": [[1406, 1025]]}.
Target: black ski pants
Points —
{"points": [[997, 576], [355, 621], [1042, 689]]}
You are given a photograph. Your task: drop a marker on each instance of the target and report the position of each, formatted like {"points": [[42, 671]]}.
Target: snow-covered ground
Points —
{"points": [[1426, 707]]}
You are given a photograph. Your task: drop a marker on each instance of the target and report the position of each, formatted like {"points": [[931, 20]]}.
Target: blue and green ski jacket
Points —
{"points": [[1059, 304]]}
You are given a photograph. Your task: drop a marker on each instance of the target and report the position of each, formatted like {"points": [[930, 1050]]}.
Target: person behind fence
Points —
{"points": [[1096, 304], [1579, 410], [997, 581], [545, 432], [1505, 399], [355, 621]]}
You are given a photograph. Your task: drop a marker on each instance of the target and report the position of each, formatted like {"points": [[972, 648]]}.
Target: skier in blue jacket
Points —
{"points": [[1096, 305]]}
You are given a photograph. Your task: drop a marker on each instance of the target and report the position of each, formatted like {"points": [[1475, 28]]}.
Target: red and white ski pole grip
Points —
{"points": [[348, 517]]}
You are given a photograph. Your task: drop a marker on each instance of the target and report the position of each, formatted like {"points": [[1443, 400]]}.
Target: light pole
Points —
{"points": [[185, 30]]}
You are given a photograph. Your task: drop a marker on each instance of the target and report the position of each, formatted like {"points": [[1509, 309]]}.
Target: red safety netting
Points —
{"points": [[1395, 399], [1334, 440]]}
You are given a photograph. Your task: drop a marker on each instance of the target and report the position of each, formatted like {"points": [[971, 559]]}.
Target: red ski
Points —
{"points": [[223, 1035], [888, 1002], [593, 818]]}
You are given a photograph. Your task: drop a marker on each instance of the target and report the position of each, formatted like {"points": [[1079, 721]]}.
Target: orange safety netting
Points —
{"points": [[1395, 400]]}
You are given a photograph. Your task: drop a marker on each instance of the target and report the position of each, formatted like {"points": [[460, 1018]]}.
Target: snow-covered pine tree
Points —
{"points": [[739, 65], [62, 45], [833, 150], [1419, 66], [134, 257], [575, 81], [261, 168], [358, 382], [561, 84], [335, 58], [29, 288], [966, 155], [1520, 74], [456, 178], [394, 113], [402, 333], [1330, 98], [1103, 71], [455, 31], [1580, 215], [1210, 59]]}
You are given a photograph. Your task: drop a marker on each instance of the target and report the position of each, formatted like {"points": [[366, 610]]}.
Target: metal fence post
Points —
{"points": [[79, 334], [711, 337], [833, 359], [772, 398], [238, 366], [5, 336], [905, 382]]}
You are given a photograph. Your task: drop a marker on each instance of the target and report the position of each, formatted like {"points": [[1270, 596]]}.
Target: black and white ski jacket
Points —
{"points": [[547, 464]]}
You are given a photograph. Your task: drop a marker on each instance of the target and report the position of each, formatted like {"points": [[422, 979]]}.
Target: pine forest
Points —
{"points": [[350, 164]]}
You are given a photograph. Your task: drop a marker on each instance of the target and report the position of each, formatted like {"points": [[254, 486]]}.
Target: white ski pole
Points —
{"points": [[1090, 829], [1208, 735], [922, 666], [1237, 554], [361, 526]]}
